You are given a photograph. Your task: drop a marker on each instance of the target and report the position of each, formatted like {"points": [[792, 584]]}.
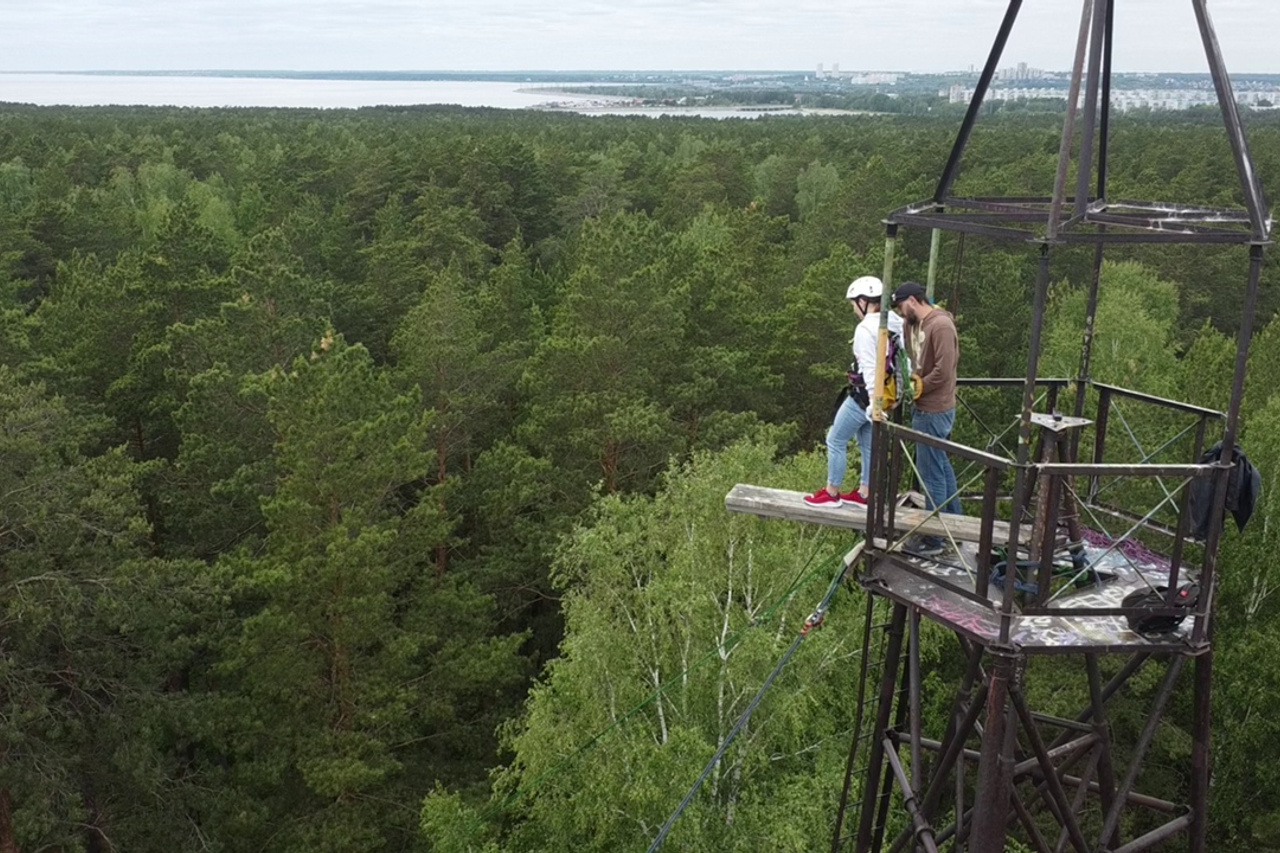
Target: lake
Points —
{"points": [[85, 90]]}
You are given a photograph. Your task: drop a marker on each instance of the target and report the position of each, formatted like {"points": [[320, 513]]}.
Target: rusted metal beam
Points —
{"points": [[1029, 823], [1057, 795], [923, 832], [875, 761], [1080, 744], [1104, 763], [1062, 723], [952, 167], [1069, 124], [914, 710], [1157, 836], [1204, 237], [1009, 381], [1254, 198], [961, 225], [1078, 801], [990, 819], [1157, 401], [986, 536], [1120, 469], [1112, 821], [964, 451], [1022, 478], [1201, 757], [859, 719], [953, 749], [1097, 38], [1117, 681]]}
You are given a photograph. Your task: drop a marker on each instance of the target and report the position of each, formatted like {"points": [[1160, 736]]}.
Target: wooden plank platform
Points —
{"points": [[1044, 633], [790, 506]]}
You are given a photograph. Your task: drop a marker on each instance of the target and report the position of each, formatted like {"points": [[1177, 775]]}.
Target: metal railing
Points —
{"points": [[1134, 474]]}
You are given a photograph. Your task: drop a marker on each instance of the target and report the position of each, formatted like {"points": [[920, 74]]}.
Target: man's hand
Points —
{"points": [[917, 386]]}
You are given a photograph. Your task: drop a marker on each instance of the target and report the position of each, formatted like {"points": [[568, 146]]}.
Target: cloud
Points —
{"points": [[608, 34]]}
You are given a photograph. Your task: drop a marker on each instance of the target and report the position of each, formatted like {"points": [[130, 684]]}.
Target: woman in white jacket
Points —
{"points": [[853, 417]]}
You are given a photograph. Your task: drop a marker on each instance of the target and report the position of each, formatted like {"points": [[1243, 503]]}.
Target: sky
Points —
{"points": [[564, 35]]}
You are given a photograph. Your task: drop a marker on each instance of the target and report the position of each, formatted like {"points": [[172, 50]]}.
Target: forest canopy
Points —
{"points": [[363, 471]]}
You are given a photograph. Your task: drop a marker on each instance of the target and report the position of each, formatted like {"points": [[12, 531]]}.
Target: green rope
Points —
{"points": [[802, 579]]}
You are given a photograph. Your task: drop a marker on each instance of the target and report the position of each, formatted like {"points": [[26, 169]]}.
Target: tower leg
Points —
{"points": [[875, 762], [991, 813], [837, 835], [1200, 769], [1106, 770]]}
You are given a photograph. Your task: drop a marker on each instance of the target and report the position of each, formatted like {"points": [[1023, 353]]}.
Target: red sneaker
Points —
{"points": [[822, 498], [855, 497]]}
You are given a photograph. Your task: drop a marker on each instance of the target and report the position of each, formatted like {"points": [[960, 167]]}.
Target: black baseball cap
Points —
{"points": [[908, 289]]}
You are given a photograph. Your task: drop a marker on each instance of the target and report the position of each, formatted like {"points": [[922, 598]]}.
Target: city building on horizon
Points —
{"points": [[1122, 100], [1020, 72], [860, 78]]}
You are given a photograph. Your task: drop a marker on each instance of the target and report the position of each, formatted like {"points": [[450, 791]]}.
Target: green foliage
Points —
{"points": [[775, 185], [814, 351], [814, 186], [676, 612], [594, 382], [1208, 368], [350, 621], [224, 445], [992, 304], [1133, 344], [91, 625], [301, 408], [451, 826]]}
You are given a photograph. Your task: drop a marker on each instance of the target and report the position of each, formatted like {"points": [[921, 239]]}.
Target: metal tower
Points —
{"points": [[1035, 584]]}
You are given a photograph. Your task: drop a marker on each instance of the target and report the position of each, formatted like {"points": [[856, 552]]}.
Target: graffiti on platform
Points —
{"points": [[966, 618], [1046, 631]]}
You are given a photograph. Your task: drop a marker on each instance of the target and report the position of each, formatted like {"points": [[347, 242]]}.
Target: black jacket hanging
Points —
{"points": [[1244, 485]]}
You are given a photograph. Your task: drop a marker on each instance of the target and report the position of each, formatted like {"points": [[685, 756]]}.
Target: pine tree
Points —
{"points": [[364, 671]]}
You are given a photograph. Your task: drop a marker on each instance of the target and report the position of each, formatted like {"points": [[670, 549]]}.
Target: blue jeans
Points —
{"points": [[936, 473], [850, 422]]}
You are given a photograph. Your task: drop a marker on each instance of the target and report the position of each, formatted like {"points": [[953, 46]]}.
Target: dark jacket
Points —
{"points": [[1244, 485]]}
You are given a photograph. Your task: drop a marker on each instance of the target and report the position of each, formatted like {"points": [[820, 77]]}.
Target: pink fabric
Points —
{"points": [[1131, 548]]}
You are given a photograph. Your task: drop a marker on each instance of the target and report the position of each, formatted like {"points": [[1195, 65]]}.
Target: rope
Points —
{"points": [[1133, 437], [815, 620], [936, 513], [802, 579], [1116, 543], [996, 440]]}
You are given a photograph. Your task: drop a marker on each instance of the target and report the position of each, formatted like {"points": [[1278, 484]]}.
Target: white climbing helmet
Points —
{"points": [[867, 287]]}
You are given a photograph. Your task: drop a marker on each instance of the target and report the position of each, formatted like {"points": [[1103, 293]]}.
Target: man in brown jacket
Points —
{"points": [[934, 347]]}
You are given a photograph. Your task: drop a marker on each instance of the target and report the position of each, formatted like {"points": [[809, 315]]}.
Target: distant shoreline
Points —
{"points": [[595, 103], [192, 91], [702, 110]]}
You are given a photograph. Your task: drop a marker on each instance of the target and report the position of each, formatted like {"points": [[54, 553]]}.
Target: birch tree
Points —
{"points": [[676, 612]]}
